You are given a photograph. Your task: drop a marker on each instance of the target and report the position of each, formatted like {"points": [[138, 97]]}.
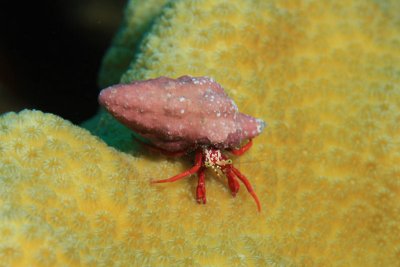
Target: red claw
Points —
{"points": [[232, 181], [243, 149], [248, 186], [201, 187], [192, 170]]}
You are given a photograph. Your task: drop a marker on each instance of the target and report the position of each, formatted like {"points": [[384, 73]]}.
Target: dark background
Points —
{"points": [[50, 54]]}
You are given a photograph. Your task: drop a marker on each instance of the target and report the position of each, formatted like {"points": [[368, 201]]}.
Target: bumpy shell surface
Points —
{"points": [[178, 114]]}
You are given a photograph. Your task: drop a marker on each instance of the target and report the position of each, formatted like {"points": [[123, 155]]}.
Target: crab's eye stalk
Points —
{"points": [[225, 162], [207, 164]]}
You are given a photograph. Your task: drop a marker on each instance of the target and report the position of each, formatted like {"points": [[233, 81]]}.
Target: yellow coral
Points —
{"points": [[325, 75], [139, 16]]}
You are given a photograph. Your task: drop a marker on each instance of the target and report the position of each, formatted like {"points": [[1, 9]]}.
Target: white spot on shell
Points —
{"points": [[195, 81], [182, 111], [181, 99]]}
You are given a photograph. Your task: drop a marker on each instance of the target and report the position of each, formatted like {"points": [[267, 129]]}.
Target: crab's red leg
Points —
{"points": [[240, 151], [194, 169], [201, 187], [248, 186], [232, 181]]}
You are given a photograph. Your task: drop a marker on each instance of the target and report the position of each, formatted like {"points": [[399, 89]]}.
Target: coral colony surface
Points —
{"points": [[324, 75]]}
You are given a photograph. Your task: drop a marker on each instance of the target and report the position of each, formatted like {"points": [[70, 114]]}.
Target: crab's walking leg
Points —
{"points": [[248, 186], [194, 169], [240, 151], [232, 181], [201, 187]]}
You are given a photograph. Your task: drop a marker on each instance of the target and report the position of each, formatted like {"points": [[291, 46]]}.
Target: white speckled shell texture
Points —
{"points": [[178, 114]]}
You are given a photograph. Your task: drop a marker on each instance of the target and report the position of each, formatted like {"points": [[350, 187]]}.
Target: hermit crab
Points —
{"points": [[183, 115]]}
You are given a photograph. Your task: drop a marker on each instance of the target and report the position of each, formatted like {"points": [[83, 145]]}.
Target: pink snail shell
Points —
{"points": [[180, 114]]}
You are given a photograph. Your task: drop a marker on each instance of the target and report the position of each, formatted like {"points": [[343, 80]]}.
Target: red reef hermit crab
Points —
{"points": [[187, 114]]}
